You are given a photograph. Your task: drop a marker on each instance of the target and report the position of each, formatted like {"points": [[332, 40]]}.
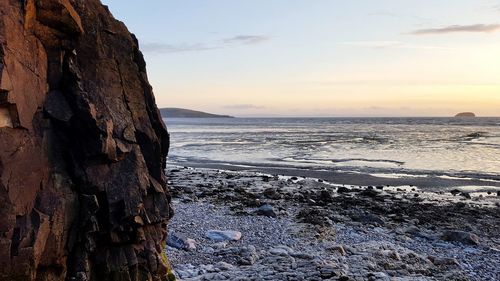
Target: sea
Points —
{"points": [[461, 148]]}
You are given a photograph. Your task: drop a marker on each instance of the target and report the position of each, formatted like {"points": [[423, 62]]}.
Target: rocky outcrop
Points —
{"points": [[83, 194], [466, 114]]}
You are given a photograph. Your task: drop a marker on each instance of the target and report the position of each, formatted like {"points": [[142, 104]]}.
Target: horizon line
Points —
{"points": [[339, 116]]}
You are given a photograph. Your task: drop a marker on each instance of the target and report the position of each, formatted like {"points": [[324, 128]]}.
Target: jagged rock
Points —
{"points": [[83, 194]]}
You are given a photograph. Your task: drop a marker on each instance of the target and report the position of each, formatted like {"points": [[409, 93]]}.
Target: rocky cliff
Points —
{"points": [[83, 193]]}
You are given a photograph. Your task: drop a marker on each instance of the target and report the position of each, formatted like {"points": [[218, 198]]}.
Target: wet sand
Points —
{"points": [[429, 182]]}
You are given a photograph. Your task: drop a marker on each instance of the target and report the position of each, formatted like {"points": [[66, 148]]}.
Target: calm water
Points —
{"points": [[380, 146]]}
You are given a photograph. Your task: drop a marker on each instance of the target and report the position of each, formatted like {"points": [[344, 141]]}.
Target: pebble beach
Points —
{"points": [[255, 226]]}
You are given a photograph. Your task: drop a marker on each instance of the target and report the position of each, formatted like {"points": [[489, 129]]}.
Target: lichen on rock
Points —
{"points": [[83, 192]]}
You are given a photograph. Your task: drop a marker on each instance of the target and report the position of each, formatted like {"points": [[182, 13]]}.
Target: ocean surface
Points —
{"points": [[382, 147]]}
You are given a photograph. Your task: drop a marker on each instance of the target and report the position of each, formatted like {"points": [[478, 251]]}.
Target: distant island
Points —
{"points": [[466, 114], [171, 112]]}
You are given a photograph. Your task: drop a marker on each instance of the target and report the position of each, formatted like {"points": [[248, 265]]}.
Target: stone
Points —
{"points": [[466, 195], [248, 255], [303, 256], [315, 215], [223, 235], [339, 249], [266, 210], [79, 197], [272, 193], [367, 218], [180, 242], [243, 255], [224, 266], [378, 276], [369, 193], [461, 237], [281, 250], [343, 189], [328, 269], [443, 261]]}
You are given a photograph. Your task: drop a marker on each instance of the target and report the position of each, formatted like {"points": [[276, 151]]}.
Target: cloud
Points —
{"points": [[392, 45], [164, 48], [398, 16], [170, 48], [246, 39], [373, 44], [382, 108], [484, 28], [243, 106]]}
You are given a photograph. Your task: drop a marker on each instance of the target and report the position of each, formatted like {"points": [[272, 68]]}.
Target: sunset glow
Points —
{"points": [[320, 58]]}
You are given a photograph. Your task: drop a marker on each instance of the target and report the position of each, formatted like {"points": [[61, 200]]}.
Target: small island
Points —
{"points": [[466, 115], [172, 112]]}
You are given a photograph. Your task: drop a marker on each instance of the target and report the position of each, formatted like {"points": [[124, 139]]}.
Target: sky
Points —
{"points": [[320, 57]]}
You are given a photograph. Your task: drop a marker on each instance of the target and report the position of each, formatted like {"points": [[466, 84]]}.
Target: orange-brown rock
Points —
{"points": [[83, 194]]}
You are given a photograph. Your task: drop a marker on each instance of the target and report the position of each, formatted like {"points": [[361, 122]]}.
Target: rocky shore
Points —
{"points": [[251, 226]]}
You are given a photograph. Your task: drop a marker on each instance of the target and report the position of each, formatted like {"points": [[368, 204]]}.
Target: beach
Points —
{"points": [[283, 226]]}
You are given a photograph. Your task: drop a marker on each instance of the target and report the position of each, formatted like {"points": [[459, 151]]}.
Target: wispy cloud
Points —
{"points": [[246, 39], [243, 106], [164, 48], [382, 108], [392, 45], [398, 16], [475, 28]]}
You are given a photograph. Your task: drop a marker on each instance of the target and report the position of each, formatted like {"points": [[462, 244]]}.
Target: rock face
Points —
{"points": [[83, 194]]}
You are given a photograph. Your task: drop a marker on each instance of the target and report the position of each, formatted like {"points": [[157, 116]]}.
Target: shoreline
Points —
{"points": [[303, 229], [428, 182]]}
